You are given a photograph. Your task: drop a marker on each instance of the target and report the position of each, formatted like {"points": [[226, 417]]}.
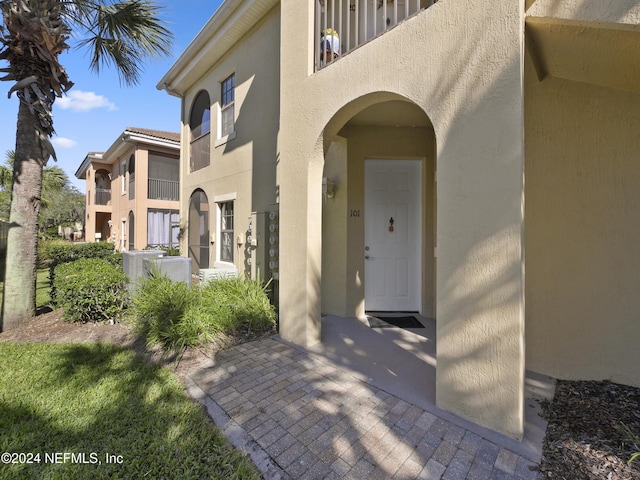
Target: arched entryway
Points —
{"points": [[198, 230], [378, 244], [379, 216]]}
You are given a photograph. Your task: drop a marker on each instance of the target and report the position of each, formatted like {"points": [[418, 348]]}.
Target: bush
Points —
{"points": [[176, 316], [245, 303], [91, 289], [44, 260], [168, 251], [158, 305], [57, 252]]}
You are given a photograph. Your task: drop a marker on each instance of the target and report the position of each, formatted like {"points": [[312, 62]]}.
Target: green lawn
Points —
{"points": [[89, 411], [43, 289]]}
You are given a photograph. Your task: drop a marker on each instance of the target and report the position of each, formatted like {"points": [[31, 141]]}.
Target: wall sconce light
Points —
{"points": [[110, 223], [328, 187]]}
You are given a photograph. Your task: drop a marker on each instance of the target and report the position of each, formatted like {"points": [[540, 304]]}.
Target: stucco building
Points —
{"points": [[133, 190], [472, 161]]}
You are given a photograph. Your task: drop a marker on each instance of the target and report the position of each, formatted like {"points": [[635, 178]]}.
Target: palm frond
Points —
{"points": [[124, 34]]}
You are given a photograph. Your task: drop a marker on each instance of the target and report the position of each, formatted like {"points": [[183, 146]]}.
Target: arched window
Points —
{"points": [[199, 229], [132, 177], [131, 246], [200, 125]]}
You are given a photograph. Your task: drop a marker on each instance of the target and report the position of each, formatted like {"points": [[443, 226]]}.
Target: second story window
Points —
{"points": [[200, 125], [132, 177], [227, 97], [123, 177]]}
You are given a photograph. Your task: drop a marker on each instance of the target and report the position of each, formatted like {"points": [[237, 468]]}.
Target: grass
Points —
{"points": [[73, 407], [43, 288]]}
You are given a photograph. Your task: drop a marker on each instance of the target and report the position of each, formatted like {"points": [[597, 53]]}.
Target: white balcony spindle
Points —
{"points": [[340, 30], [354, 22]]}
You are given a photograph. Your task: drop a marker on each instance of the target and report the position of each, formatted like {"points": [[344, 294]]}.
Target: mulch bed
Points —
{"points": [[590, 432]]}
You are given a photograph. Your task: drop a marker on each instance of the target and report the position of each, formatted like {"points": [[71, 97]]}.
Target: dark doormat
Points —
{"points": [[391, 322]]}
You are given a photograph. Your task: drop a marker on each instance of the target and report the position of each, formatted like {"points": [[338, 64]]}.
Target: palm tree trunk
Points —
{"points": [[20, 277]]}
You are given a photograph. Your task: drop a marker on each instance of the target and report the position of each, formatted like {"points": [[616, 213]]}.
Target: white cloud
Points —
{"points": [[64, 142], [81, 101]]}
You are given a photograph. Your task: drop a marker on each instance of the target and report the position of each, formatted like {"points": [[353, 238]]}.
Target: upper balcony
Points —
{"points": [[102, 196], [162, 189], [344, 25]]}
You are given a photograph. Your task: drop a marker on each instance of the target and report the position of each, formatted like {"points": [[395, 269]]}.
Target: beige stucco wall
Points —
{"points": [[467, 77], [582, 231], [244, 168]]}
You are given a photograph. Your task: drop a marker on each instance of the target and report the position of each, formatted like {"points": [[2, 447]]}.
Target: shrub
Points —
{"points": [[244, 303], [168, 251], [44, 260], [91, 289], [63, 252], [176, 316], [158, 305], [58, 252]]}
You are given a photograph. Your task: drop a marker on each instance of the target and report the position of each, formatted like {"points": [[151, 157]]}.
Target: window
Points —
{"points": [[163, 228], [123, 176], [131, 232], [132, 177], [200, 125], [226, 109], [226, 231]]}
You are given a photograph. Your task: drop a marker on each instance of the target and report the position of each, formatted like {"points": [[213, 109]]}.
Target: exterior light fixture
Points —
{"points": [[328, 187]]}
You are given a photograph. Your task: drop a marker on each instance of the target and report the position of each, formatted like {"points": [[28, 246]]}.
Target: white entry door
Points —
{"points": [[393, 235]]}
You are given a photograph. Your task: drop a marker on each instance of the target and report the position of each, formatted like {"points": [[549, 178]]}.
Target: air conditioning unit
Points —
{"points": [[207, 274]]}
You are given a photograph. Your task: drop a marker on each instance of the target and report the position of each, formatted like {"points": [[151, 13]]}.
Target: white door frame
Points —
{"points": [[393, 249]]}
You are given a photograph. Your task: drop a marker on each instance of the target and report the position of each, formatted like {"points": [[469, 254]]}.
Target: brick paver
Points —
{"points": [[299, 417]]}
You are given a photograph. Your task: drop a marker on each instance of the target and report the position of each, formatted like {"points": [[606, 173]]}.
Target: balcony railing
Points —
{"points": [[343, 25], [103, 196], [158, 189]]}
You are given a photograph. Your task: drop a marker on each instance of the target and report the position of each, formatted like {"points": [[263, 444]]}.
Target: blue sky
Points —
{"points": [[98, 109]]}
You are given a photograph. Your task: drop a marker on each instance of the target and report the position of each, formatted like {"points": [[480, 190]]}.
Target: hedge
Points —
{"points": [[91, 290]]}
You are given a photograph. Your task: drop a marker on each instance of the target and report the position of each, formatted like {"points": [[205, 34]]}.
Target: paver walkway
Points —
{"points": [[300, 417]]}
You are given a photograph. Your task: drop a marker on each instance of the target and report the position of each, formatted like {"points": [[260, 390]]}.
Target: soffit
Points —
{"points": [[232, 21], [597, 53]]}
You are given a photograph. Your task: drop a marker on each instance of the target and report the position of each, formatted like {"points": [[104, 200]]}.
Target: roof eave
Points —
{"points": [[88, 160], [223, 30]]}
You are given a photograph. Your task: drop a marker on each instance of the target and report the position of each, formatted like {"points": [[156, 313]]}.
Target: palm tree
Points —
{"points": [[121, 33]]}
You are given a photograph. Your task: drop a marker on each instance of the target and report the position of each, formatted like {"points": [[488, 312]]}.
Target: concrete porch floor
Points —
{"points": [[403, 362], [358, 405]]}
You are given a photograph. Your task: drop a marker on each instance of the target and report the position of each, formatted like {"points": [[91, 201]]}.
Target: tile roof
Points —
{"points": [[171, 136]]}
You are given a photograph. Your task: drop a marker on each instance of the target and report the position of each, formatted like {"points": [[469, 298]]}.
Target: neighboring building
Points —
{"points": [[133, 190], [411, 167]]}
